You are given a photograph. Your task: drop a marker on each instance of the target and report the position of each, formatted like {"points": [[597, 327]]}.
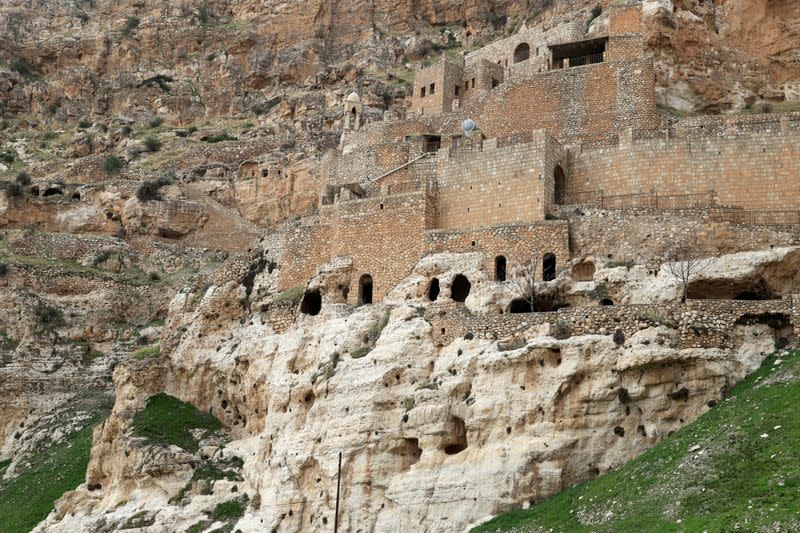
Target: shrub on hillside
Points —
{"points": [[113, 164], [23, 178], [21, 66], [152, 144], [155, 122], [3, 270], [11, 188], [131, 23]]}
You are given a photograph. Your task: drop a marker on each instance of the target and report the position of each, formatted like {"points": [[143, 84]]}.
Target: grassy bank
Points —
{"points": [[736, 468]]}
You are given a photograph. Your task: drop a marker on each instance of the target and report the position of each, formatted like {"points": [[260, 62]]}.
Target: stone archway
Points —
{"points": [[365, 289], [548, 267], [522, 52], [559, 185], [500, 268]]}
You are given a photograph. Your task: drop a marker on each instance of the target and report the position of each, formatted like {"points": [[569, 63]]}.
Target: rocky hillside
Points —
{"points": [[133, 245]]}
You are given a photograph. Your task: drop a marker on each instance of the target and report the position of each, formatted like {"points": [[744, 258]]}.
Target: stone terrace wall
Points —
{"points": [[753, 163], [644, 235], [364, 163], [701, 323], [517, 242]]}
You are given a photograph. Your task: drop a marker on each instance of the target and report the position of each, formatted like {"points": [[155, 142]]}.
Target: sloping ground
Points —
{"points": [[53, 463], [736, 468]]}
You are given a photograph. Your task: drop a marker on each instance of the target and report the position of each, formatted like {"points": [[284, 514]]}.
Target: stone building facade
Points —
{"points": [[563, 118]]}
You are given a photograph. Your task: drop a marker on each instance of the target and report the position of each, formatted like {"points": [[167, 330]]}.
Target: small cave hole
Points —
{"points": [[460, 288], [312, 303], [433, 290], [520, 305]]}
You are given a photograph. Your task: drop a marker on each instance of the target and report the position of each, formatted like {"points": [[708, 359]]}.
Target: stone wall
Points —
{"points": [[491, 184], [750, 162], [518, 243], [644, 235], [700, 323], [383, 236]]}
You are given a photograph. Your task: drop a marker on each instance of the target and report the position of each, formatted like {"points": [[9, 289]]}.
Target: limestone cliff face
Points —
{"points": [[434, 436]]}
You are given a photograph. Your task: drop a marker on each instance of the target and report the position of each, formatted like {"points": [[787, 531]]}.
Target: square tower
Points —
{"points": [[436, 87]]}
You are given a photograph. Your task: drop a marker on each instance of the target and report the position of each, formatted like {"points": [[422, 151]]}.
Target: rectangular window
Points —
{"points": [[422, 93], [473, 83], [495, 83], [433, 88], [458, 90]]}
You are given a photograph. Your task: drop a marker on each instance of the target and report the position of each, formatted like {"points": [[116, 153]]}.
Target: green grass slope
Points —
{"points": [[736, 468], [53, 468]]}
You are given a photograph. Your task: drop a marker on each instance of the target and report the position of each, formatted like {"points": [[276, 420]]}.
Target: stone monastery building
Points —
{"points": [[562, 119]]}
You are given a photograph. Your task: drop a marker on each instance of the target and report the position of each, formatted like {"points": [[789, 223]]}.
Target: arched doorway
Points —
{"points": [[522, 53], [559, 185], [365, 289], [548, 267], [606, 302], [520, 305], [459, 290], [500, 268], [433, 290]]}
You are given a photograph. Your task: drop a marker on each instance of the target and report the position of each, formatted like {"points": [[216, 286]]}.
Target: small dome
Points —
{"points": [[354, 98]]}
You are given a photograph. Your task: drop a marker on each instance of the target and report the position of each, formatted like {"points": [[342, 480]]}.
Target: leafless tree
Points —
{"points": [[683, 264], [522, 281]]}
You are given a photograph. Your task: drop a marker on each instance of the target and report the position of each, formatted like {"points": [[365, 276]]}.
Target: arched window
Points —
{"points": [[559, 185], [459, 290], [500, 268], [522, 53], [549, 267], [433, 290], [365, 289]]}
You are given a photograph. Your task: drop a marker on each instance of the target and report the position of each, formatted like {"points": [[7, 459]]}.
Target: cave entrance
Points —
{"points": [[365, 289], [433, 290], [459, 290], [520, 305], [456, 442], [312, 303], [583, 271]]}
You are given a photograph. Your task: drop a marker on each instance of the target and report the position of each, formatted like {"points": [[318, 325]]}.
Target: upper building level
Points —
{"points": [[452, 83]]}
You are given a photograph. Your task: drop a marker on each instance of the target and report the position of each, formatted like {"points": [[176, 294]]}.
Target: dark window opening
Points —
{"points": [[607, 302], [459, 290], [76, 196], [365, 289], [520, 305], [433, 290], [353, 116], [458, 90], [265, 173], [522, 53], [495, 83], [432, 143], [579, 53], [548, 267], [312, 303], [473, 83], [422, 92], [559, 185], [500, 268], [53, 191], [433, 88]]}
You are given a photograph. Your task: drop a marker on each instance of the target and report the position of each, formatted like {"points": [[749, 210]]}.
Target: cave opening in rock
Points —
{"points": [[520, 305], [312, 303], [607, 302], [583, 271], [723, 289], [433, 290], [457, 440], [459, 290], [76, 196], [53, 191]]}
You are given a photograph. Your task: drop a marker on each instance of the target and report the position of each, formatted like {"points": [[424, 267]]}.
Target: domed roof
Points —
{"points": [[354, 98]]}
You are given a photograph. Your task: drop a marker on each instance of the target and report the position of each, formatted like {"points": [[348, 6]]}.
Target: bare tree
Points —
{"points": [[683, 264], [522, 281]]}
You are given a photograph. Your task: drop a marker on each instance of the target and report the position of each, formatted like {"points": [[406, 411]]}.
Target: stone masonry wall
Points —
{"points": [[755, 169], [518, 243], [701, 323], [506, 184]]}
